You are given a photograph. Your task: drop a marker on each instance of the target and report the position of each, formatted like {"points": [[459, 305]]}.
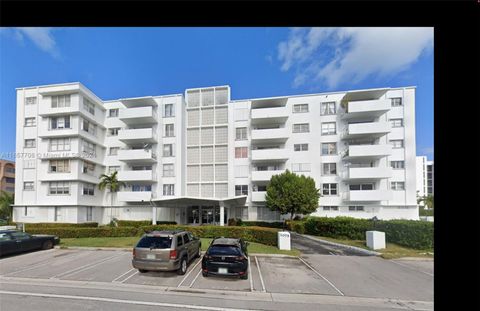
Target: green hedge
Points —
{"points": [[29, 226], [266, 236], [410, 233], [424, 212], [278, 224], [137, 223]]}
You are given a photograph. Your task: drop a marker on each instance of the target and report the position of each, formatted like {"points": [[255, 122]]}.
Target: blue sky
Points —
{"points": [[255, 62]]}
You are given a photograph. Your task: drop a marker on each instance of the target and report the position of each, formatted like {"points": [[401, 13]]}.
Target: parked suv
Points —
{"points": [[226, 256], [166, 251]]}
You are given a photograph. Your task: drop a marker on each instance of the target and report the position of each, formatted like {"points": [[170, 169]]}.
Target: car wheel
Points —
{"points": [[142, 270], [183, 266], [204, 274], [244, 277], [47, 245]]}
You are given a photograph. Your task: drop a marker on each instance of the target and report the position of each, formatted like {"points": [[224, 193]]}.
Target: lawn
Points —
{"points": [[131, 241], [391, 252]]}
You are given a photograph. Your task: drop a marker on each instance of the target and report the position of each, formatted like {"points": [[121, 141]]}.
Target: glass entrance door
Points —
{"points": [[208, 214]]}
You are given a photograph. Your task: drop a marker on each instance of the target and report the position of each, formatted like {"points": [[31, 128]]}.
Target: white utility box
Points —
{"points": [[284, 240], [376, 239]]}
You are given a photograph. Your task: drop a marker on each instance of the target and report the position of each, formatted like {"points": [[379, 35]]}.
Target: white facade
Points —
{"points": [[425, 184], [359, 147]]}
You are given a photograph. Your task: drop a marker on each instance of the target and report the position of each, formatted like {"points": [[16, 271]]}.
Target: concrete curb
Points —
{"points": [[361, 250]]}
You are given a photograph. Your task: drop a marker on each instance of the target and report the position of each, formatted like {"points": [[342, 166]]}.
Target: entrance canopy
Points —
{"points": [[185, 201]]}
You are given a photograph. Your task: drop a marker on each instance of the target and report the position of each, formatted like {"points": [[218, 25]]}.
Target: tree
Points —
{"points": [[113, 184], [6, 200], [427, 201], [292, 194]]}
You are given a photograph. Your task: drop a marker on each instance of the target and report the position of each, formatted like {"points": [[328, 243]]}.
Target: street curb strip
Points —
{"points": [[365, 251]]}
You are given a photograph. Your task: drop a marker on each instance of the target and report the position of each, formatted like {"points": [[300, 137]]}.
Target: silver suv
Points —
{"points": [[166, 251]]}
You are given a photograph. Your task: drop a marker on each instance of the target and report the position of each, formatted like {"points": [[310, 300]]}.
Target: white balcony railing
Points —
{"points": [[365, 108], [138, 115], [272, 134], [136, 155], [367, 195], [258, 196], [135, 175], [145, 135], [368, 151], [367, 173], [269, 155], [367, 129], [264, 175], [274, 114], [134, 196]]}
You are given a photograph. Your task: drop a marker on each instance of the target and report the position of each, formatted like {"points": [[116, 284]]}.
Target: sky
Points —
{"points": [[256, 62]]}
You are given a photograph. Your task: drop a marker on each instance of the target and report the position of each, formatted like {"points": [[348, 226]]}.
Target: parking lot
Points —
{"points": [[359, 276]]}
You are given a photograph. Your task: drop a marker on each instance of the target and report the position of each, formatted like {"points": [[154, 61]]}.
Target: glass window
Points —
{"points": [[396, 122], [355, 208], [169, 189], [113, 131], [58, 188], [28, 186], [300, 147], [57, 123], [59, 144], [30, 101], [329, 128], [169, 130], [398, 185], [60, 101], [168, 170], [300, 108], [330, 208], [89, 216], [88, 189], [30, 122], [168, 111], [29, 143], [89, 127], [168, 150], [301, 128], [114, 150], [113, 113], [241, 152], [186, 238], [397, 101], [241, 190], [329, 189], [328, 108], [88, 168], [329, 168], [154, 242], [397, 143], [59, 166], [301, 167], [17, 235], [241, 133], [112, 169], [397, 164], [88, 106], [88, 147], [329, 148]]}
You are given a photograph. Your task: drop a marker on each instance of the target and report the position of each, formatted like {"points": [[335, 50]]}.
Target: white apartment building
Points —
{"points": [[424, 176], [202, 158]]}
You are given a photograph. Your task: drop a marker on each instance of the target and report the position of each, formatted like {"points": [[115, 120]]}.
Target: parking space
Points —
{"points": [[311, 274]]}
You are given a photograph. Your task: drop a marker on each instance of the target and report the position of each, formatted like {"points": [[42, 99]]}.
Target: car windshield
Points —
{"points": [[155, 242], [228, 250], [4, 236]]}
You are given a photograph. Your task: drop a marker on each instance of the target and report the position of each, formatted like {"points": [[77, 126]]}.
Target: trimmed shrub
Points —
{"points": [[29, 226], [298, 226], [138, 223], [277, 224], [88, 232], [411, 233]]}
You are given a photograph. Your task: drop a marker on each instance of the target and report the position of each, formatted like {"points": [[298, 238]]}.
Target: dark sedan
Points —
{"points": [[12, 241], [226, 257]]}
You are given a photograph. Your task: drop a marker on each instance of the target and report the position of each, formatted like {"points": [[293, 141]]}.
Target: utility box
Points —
{"points": [[376, 239], [284, 240]]}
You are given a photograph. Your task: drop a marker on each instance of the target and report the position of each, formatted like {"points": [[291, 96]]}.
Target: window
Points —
{"points": [[241, 152], [169, 130], [301, 128], [179, 241], [88, 189], [112, 169], [88, 168], [396, 122], [327, 108], [58, 188], [398, 185], [59, 166], [9, 169], [26, 211], [329, 128], [396, 102], [58, 123], [241, 190], [57, 213], [329, 189], [356, 187], [114, 150], [30, 101], [330, 208], [113, 113], [30, 122], [397, 143], [9, 180], [329, 168], [141, 188], [169, 189], [113, 131], [301, 167], [168, 150], [168, 111], [300, 108], [88, 147], [89, 216], [300, 147], [88, 106], [59, 144], [20, 235], [241, 133], [89, 127], [29, 143], [397, 164], [329, 148], [60, 101], [168, 170], [355, 208], [186, 238], [27, 164]]}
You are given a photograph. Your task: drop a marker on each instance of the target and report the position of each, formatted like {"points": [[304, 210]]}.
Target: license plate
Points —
{"points": [[222, 270], [150, 256]]}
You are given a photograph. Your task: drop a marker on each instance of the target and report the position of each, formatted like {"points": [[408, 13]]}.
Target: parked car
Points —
{"points": [[226, 256], [166, 251], [14, 241]]}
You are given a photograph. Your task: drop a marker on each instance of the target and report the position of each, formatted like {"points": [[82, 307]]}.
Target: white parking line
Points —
{"points": [[250, 276], [186, 276], [413, 269], [126, 279], [196, 277], [318, 273], [131, 302], [260, 274], [93, 266], [118, 277], [333, 254], [84, 267]]}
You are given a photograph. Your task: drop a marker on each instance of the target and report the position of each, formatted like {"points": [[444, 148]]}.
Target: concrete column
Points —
{"points": [[200, 214], [154, 215], [222, 213]]}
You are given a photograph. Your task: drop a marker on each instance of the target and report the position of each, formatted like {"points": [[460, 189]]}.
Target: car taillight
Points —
{"points": [[173, 254]]}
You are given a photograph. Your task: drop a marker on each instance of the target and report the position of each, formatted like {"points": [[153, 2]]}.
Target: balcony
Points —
{"points": [[367, 195], [128, 176], [264, 175], [139, 115], [137, 136], [269, 115], [367, 152], [273, 135], [367, 129], [134, 196], [276, 155], [258, 196], [366, 108], [137, 156], [367, 173]]}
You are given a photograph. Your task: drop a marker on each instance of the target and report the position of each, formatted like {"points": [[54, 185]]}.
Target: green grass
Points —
{"points": [[131, 241], [391, 252]]}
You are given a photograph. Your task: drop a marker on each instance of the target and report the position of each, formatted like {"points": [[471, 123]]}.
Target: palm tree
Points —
{"points": [[427, 201], [6, 200], [113, 184]]}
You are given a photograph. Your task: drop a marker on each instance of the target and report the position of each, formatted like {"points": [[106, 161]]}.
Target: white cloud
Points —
{"points": [[333, 55], [41, 36]]}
